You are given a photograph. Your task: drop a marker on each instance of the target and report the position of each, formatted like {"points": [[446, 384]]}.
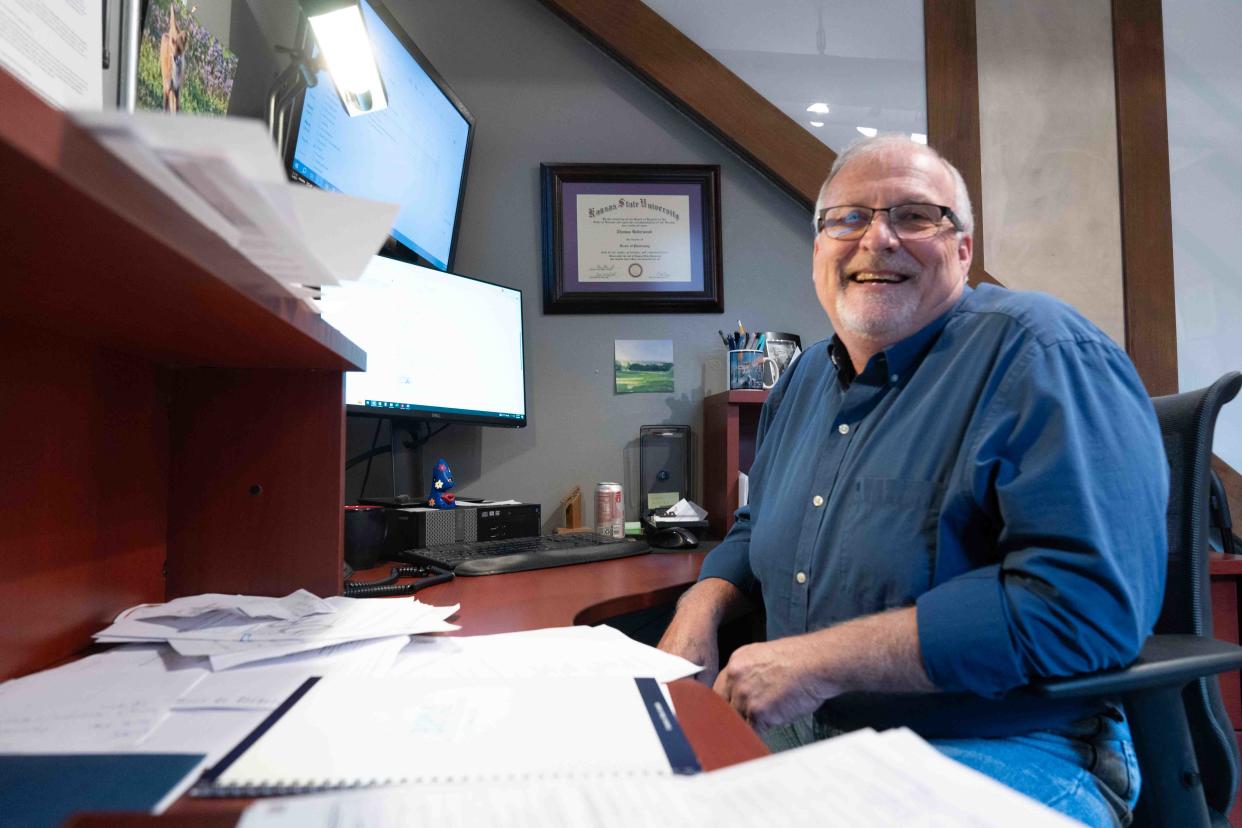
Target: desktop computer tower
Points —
{"points": [[420, 528]]}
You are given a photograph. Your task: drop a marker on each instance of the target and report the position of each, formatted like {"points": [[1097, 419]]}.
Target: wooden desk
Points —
{"points": [[582, 594]]}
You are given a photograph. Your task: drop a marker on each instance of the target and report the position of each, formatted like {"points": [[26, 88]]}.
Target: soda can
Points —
{"points": [[609, 510]]}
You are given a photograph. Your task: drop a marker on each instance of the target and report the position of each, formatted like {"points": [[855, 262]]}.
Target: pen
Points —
{"points": [[759, 343], [723, 338]]}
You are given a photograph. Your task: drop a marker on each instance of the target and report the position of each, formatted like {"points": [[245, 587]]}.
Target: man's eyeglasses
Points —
{"points": [[909, 222]]}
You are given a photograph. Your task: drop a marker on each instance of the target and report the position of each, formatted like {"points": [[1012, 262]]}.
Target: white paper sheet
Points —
{"points": [[353, 620], [294, 605], [264, 686], [227, 173], [418, 728], [56, 48], [861, 780], [75, 711], [565, 652]]}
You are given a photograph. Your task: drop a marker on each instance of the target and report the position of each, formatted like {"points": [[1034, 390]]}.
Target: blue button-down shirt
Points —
{"points": [[1002, 470]]}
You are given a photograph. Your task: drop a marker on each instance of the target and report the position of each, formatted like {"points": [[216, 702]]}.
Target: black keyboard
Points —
{"points": [[519, 554]]}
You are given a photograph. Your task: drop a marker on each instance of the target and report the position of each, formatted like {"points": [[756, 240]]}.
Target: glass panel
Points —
{"points": [[1203, 74], [835, 68]]}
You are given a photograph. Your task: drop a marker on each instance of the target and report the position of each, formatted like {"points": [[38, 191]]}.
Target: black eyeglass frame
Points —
{"points": [[945, 213]]}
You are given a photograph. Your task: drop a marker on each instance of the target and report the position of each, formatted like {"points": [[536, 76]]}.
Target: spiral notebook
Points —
{"points": [[343, 732]]}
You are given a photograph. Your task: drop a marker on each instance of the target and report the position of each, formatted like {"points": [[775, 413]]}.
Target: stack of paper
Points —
{"points": [[227, 173], [560, 652], [680, 513], [863, 779], [235, 630]]}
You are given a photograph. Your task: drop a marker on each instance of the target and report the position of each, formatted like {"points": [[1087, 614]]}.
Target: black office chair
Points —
{"points": [[1184, 739]]}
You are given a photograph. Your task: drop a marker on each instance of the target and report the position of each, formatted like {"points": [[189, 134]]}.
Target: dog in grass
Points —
{"points": [[172, 62]]}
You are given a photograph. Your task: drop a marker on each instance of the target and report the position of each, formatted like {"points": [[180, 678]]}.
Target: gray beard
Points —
{"points": [[880, 317]]}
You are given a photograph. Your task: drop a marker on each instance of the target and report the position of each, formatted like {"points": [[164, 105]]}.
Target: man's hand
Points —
{"points": [[774, 682], [692, 632]]}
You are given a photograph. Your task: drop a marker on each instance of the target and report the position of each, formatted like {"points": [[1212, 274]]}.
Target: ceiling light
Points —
{"points": [[817, 123], [918, 137], [870, 132], [818, 108]]}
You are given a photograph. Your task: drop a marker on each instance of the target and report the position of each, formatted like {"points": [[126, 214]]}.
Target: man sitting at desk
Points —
{"points": [[963, 490]]}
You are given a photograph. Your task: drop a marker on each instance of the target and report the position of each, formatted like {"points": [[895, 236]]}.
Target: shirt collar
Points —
{"points": [[899, 357]]}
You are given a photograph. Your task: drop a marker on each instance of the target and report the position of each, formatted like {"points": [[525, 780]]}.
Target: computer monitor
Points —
{"points": [[414, 153], [440, 346]]}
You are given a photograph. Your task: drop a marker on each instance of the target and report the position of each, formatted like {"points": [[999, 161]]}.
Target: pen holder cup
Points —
{"points": [[365, 531], [749, 370]]}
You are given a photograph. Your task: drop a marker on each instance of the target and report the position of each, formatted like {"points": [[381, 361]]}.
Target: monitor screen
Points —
{"points": [[439, 345], [414, 153]]}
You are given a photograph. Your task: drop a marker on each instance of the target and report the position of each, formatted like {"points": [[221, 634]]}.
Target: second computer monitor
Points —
{"points": [[439, 345]]}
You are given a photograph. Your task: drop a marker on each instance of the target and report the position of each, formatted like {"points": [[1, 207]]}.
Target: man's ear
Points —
{"points": [[965, 252]]}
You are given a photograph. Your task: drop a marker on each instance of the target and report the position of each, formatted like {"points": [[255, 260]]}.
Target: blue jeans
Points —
{"points": [[1086, 770]]}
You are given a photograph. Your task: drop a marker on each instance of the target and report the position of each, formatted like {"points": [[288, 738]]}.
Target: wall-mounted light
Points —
{"points": [[870, 132], [818, 108], [346, 50], [817, 123]]}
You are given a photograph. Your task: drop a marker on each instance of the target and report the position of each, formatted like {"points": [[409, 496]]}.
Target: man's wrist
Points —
{"points": [[709, 601]]}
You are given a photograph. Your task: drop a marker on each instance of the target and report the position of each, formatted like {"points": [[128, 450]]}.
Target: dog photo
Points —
{"points": [[182, 67]]}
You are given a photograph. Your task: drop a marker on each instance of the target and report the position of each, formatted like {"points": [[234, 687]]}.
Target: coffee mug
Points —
{"points": [[746, 370], [365, 531]]}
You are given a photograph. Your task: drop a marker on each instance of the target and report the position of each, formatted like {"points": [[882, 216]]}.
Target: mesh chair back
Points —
{"points": [[1187, 422]]}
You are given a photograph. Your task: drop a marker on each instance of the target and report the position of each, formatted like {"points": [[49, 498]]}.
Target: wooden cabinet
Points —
{"points": [[1226, 571], [730, 420], [172, 418]]}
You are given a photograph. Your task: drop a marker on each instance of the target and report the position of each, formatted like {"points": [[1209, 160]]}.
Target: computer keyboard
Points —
{"points": [[519, 554]]}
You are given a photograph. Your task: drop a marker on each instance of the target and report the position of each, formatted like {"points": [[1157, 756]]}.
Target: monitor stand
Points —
{"points": [[407, 438]]}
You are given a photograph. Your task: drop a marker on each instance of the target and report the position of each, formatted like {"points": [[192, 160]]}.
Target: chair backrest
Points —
{"points": [[1187, 422]]}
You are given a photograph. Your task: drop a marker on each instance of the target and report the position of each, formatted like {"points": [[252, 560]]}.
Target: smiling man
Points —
{"points": [[961, 491]]}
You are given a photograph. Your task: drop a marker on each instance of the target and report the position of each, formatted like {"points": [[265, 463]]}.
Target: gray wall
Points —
{"points": [[541, 93]]}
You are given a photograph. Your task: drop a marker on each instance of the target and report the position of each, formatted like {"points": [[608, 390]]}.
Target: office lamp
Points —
{"points": [[344, 49]]}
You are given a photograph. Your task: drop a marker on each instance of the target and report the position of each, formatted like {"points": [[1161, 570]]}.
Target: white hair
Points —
{"points": [[880, 143]]}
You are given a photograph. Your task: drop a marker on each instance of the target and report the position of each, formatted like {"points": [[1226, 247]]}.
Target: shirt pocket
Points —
{"points": [[886, 541]]}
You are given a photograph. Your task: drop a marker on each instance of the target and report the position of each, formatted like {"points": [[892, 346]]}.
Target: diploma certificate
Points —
{"points": [[633, 238]]}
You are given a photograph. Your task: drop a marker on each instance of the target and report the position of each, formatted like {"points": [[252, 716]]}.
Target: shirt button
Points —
{"points": [[817, 500], [800, 577], [844, 428], [894, 378]]}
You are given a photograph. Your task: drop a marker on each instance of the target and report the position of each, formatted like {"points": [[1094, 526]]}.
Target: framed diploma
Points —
{"points": [[631, 238]]}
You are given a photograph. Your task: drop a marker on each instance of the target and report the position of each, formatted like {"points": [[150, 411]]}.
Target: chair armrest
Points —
{"points": [[1165, 660]]}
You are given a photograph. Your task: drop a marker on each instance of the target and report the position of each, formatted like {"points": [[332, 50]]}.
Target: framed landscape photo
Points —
{"points": [[631, 238]]}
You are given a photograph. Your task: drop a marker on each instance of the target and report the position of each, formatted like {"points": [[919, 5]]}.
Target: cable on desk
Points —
{"points": [[386, 587]]}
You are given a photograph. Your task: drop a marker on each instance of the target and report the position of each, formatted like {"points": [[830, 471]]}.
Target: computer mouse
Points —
{"points": [[673, 537]]}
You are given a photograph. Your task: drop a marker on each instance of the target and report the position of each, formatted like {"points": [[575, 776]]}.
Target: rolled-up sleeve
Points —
{"points": [[1068, 464]]}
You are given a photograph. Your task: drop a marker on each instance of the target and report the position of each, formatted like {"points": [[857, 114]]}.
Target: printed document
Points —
{"points": [[413, 729], [860, 780], [56, 48]]}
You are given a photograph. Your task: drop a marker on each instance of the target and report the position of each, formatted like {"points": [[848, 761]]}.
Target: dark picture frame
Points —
{"points": [[633, 229]]}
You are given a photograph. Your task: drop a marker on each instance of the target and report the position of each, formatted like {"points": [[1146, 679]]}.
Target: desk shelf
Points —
{"points": [[173, 419], [730, 420]]}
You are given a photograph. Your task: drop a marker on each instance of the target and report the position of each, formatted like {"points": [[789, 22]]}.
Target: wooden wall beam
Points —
{"points": [[1146, 206], [951, 61], [705, 90]]}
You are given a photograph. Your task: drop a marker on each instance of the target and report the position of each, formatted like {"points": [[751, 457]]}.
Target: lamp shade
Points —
{"points": [[341, 34]]}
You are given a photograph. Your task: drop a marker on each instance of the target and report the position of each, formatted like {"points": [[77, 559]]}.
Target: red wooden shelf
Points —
{"points": [[730, 420], [174, 417]]}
